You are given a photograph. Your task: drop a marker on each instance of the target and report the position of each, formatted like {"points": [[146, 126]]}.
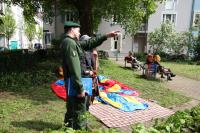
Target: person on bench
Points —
{"points": [[163, 71], [132, 60]]}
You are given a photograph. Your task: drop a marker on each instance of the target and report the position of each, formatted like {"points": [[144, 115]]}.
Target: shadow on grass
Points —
{"points": [[36, 125], [128, 68], [150, 79], [41, 94]]}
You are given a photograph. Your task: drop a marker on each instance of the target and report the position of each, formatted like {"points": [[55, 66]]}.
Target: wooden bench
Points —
{"points": [[127, 59]]}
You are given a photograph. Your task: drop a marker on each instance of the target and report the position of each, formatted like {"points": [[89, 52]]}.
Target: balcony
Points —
{"points": [[143, 28]]}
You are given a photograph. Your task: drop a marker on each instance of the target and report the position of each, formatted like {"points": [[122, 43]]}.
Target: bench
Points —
{"points": [[127, 59]]}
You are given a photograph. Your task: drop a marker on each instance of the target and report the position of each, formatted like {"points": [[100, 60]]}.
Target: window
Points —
{"points": [[169, 17], [47, 20], [47, 38], [114, 43], [196, 19], [114, 20], [170, 4], [71, 16]]}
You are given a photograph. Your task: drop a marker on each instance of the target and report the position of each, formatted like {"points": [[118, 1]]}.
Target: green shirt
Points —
{"points": [[72, 52]]}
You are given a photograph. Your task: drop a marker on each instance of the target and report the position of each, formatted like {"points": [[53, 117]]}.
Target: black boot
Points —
{"points": [[162, 76], [169, 77], [173, 75]]}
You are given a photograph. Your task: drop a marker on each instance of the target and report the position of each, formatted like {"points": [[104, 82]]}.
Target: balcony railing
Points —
{"points": [[143, 28]]}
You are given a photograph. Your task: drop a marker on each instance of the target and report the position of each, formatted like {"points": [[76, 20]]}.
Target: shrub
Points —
{"points": [[103, 54], [140, 56], [21, 60], [56, 43]]}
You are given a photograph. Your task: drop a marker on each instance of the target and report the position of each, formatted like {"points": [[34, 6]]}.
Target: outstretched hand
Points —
{"points": [[81, 95], [112, 34]]}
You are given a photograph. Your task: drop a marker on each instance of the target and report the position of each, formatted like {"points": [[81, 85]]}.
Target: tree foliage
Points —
{"points": [[197, 49], [30, 31], [39, 33], [8, 25], [160, 38], [130, 13], [166, 39]]}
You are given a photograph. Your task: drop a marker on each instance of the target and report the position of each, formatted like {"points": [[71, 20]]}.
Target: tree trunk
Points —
{"points": [[8, 39], [85, 14]]}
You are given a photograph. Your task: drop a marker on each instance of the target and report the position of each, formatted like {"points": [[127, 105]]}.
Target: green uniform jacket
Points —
{"points": [[72, 52]]}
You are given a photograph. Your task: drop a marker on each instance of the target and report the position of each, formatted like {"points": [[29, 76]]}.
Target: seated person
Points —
{"points": [[161, 69], [129, 57], [149, 59], [132, 59]]}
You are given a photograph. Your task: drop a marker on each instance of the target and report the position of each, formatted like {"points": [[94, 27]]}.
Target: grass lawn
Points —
{"points": [[30, 106], [184, 69]]}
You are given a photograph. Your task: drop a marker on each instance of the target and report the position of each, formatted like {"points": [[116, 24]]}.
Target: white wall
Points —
{"points": [[105, 27]]}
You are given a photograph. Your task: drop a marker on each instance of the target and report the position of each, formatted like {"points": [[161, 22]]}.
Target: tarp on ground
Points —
{"points": [[111, 92]]}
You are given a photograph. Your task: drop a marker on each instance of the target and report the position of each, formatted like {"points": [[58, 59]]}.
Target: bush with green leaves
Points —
{"points": [[181, 122], [197, 50], [166, 39]]}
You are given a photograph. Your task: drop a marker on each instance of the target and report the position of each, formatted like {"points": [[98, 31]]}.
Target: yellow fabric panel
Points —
{"points": [[131, 99], [114, 88], [103, 95]]}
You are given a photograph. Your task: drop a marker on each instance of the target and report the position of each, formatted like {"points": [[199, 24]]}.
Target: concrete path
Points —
{"points": [[187, 87]]}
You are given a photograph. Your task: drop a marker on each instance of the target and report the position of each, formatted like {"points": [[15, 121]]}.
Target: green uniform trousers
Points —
{"points": [[75, 116]]}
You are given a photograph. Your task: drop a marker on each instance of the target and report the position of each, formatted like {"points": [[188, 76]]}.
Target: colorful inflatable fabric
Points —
{"points": [[111, 92]]}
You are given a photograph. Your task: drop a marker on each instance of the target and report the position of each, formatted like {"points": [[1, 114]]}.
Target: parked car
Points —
{"points": [[37, 46]]}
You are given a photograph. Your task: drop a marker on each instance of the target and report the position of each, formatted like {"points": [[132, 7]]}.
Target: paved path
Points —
{"points": [[187, 87]]}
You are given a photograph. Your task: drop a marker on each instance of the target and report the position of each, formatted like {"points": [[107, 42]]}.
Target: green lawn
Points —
{"points": [[28, 105], [184, 69]]}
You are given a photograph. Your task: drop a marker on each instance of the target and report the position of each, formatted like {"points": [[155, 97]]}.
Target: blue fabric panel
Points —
{"points": [[87, 85]]}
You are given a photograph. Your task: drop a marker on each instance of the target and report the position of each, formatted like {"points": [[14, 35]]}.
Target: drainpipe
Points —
{"points": [[191, 23], [132, 42], [55, 26], [192, 13]]}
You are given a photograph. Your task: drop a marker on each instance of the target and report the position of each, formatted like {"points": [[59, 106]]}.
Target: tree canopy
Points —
{"points": [[129, 13], [8, 25], [30, 31], [166, 39]]}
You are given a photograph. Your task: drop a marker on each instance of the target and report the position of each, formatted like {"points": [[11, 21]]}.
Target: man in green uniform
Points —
{"points": [[72, 54]]}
